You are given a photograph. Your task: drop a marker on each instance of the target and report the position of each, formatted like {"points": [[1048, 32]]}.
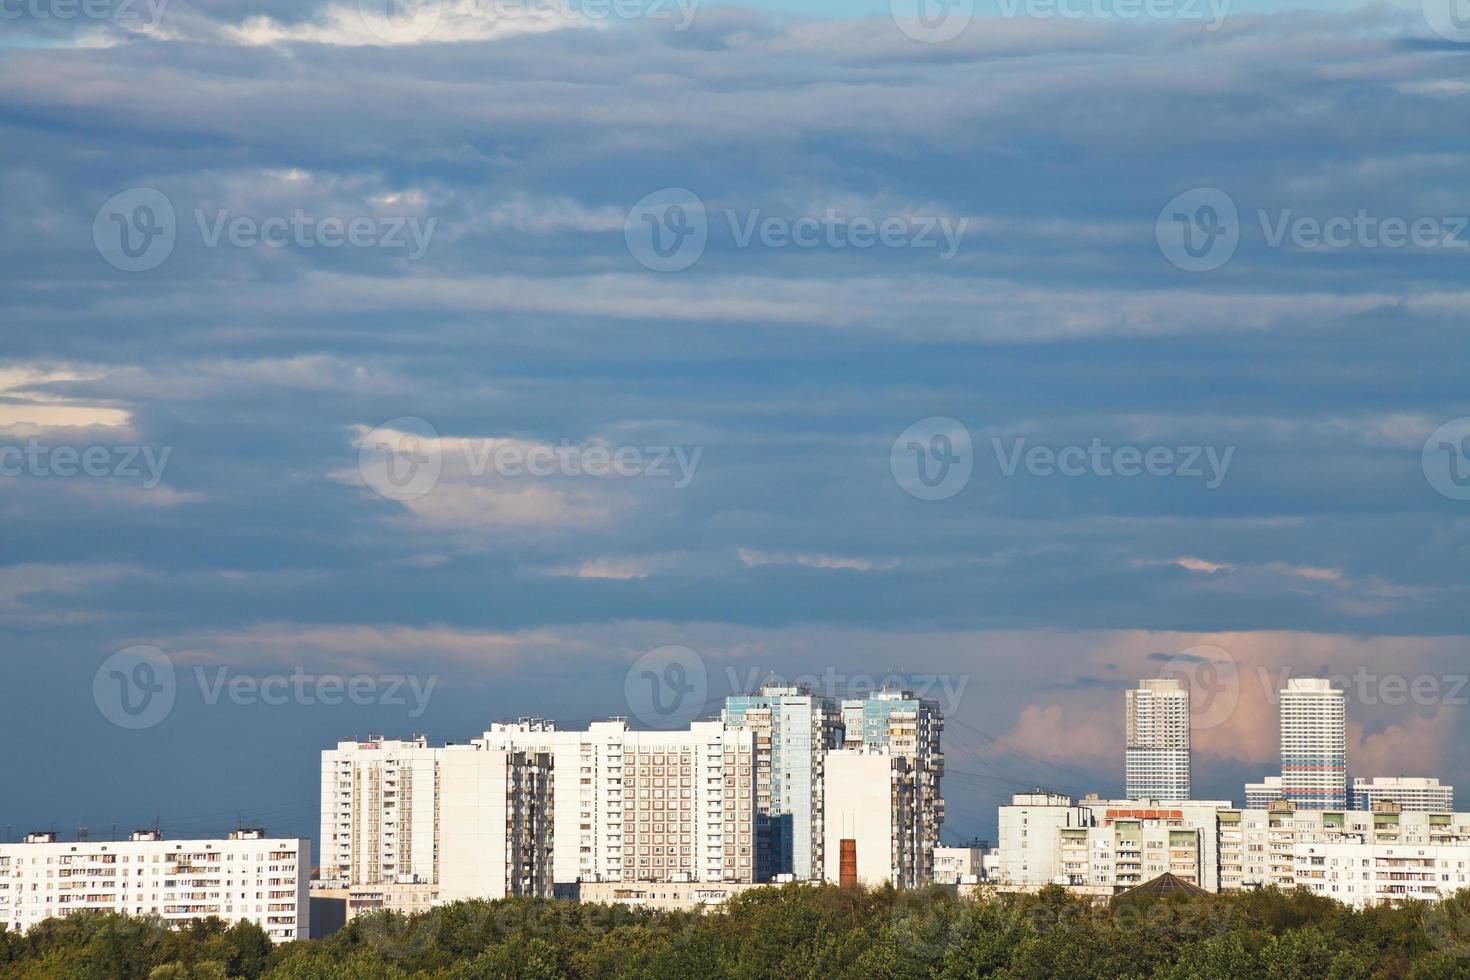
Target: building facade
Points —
{"points": [[645, 806], [1095, 845], [244, 877], [904, 725], [1314, 744], [495, 820], [959, 863], [873, 798], [379, 813], [794, 730], [1419, 794], [1157, 752], [1355, 856]]}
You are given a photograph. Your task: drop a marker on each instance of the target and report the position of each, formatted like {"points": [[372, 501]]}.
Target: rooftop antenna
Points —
{"points": [[81, 831]]}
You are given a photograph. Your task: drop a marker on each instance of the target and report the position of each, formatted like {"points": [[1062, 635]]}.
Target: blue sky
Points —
{"points": [[503, 296]]}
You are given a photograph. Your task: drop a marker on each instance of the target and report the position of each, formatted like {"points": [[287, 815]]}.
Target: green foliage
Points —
{"points": [[790, 933]]}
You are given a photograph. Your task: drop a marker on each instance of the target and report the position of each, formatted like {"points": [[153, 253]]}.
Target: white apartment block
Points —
{"points": [[1106, 845], [874, 803], [1028, 852], [1419, 794], [1158, 747], [645, 805], [495, 824], [379, 820], [1314, 744], [246, 876], [1358, 857], [959, 864]]}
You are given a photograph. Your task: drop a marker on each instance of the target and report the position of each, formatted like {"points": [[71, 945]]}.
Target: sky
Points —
{"points": [[398, 375]]}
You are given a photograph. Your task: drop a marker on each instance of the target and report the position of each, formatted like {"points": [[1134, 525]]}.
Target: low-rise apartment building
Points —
{"points": [[244, 877]]}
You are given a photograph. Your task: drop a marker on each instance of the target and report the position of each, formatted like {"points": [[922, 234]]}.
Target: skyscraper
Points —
{"points": [[1157, 751], [794, 729], [1314, 744]]}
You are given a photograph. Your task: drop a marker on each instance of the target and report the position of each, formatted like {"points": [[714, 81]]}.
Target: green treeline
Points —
{"points": [[792, 932]]}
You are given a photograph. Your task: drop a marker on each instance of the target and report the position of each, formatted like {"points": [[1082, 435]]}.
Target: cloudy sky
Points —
{"points": [[459, 359]]}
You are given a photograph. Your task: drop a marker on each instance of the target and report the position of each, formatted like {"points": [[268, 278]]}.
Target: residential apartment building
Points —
{"points": [[1418, 794], [379, 813], [873, 826], [1354, 856], [1314, 744], [794, 730], [1157, 751], [1099, 845], [645, 805], [904, 725], [959, 864], [244, 877], [495, 820]]}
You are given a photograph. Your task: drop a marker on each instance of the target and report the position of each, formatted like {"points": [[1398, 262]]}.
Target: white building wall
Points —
{"points": [[860, 804], [247, 878]]}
